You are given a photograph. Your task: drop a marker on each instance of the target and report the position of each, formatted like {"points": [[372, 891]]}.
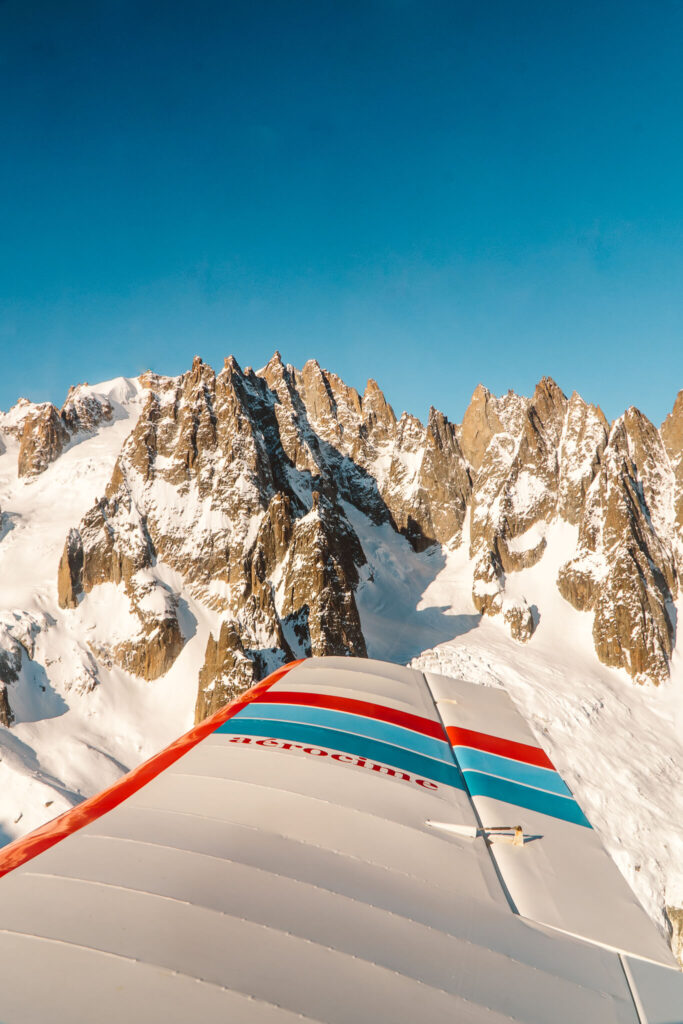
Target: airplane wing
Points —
{"points": [[350, 841]]}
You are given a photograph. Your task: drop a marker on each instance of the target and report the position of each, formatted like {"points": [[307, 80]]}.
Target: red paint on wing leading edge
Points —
{"points": [[24, 849], [497, 745], [357, 707]]}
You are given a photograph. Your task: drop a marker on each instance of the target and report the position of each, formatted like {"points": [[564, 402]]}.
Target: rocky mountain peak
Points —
{"points": [[625, 567], [672, 427], [549, 400], [672, 438], [584, 439], [241, 483], [479, 424], [231, 365], [84, 410], [377, 413], [12, 422], [486, 416], [42, 440], [44, 432], [515, 492], [276, 359]]}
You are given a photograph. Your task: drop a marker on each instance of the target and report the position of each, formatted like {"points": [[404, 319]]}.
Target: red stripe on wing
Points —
{"points": [[497, 745], [41, 839], [357, 707]]}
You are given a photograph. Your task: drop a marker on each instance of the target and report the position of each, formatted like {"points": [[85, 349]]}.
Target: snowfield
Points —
{"points": [[81, 723]]}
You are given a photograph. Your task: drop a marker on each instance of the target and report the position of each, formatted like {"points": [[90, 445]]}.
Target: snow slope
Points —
{"points": [[79, 725]]}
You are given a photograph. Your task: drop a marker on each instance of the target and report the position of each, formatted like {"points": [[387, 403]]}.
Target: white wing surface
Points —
{"points": [[562, 876], [317, 852]]}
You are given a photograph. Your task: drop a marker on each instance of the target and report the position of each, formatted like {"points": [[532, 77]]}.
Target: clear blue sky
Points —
{"points": [[430, 193]]}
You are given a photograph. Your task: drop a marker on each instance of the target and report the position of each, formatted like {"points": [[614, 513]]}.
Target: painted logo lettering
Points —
{"points": [[350, 759]]}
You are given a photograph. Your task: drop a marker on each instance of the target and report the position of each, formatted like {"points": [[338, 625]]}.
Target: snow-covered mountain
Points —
{"points": [[166, 541]]}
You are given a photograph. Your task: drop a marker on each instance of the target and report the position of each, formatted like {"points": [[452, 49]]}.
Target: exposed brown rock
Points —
{"points": [[70, 572], [519, 619], [517, 482], [114, 540], [577, 585], [84, 411], [333, 407], [584, 439], [444, 482], [319, 574], [152, 653], [10, 666], [44, 432], [11, 652], [515, 489], [428, 484], [227, 445], [479, 424], [6, 714], [672, 437], [488, 583], [42, 440], [12, 423], [227, 672], [113, 546], [486, 416], [378, 415], [675, 921], [624, 569], [425, 486], [239, 482]]}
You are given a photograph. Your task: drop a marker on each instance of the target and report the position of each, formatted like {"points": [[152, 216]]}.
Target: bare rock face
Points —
{"points": [[10, 666], [44, 432], [519, 619], [672, 438], [625, 568], [488, 583], [18, 631], [479, 424], [240, 482], [83, 411], [227, 672], [412, 475], [378, 416], [319, 574], [428, 484], [159, 641], [486, 416], [225, 482], [531, 462], [70, 572], [42, 440], [516, 486], [6, 715], [99, 553], [12, 422], [584, 439], [675, 921], [515, 490]]}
